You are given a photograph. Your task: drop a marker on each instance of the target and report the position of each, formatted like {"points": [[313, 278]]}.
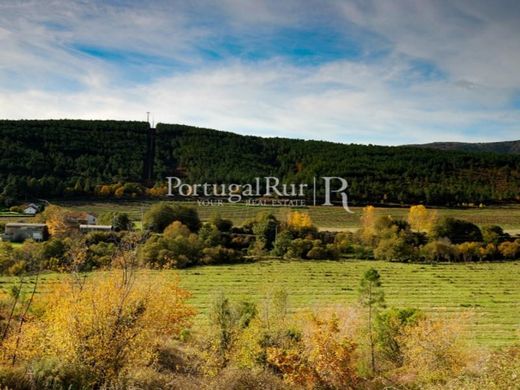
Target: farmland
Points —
{"points": [[334, 218], [488, 292]]}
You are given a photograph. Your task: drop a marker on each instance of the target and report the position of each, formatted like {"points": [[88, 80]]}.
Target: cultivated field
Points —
{"points": [[334, 218], [488, 292]]}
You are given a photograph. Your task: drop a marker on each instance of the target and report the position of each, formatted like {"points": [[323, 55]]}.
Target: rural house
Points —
{"points": [[18, 232], [77, 218], [30, 209]]}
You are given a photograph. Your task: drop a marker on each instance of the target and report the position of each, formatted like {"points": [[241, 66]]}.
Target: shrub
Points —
{"points": [[174, 250], [210, 235], [223, 225], [439, 250], [457, 231], [433, 350], [394, 248], [344, 242], [494, 234], [471, 251], [389, 329], [282, 243], [220, 255], [162, 214], [510, 249], [110, 324], [245, 379], [264, 227], [324, 358], [299, 248], [119, 221]]}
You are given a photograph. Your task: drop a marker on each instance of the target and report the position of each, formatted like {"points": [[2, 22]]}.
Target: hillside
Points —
{"points": [[512, 147], [69, 158], [55, 158], [379, 174]]}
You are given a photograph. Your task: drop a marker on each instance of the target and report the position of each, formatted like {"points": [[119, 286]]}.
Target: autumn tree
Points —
{"points": [[299, 220], [433, 349], [324, 358], [105, 325], [55, 218], [390, 326], [422, 219], [368, 223]]}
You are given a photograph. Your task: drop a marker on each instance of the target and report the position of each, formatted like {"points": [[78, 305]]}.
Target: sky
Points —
{"points": [[385, 72]]}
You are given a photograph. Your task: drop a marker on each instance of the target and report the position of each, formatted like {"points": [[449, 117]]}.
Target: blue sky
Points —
{"points": [[361, 71]]}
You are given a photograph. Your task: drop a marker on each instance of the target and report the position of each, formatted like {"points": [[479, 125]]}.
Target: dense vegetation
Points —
{"points": [[111, 158], [125, 330], [375, 173], [55, 158]]}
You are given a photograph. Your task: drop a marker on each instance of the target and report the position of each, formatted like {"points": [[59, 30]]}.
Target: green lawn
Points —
{"points": [[324, 217], [490, 292]]}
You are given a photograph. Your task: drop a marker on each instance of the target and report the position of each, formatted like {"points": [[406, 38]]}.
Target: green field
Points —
{"points": [[324, 217], [488, 292]]}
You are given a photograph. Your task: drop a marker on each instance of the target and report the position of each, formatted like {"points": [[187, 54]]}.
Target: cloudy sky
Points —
{"points": [[382, 72]]}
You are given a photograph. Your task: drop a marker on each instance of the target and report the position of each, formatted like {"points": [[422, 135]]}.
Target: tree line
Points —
{"points": [[58, 158]]}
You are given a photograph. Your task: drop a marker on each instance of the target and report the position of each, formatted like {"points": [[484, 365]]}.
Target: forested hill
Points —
{"points": [[74, 158], [512, 147]]}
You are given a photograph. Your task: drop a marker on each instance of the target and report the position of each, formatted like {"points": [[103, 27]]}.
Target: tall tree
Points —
{"points": [[371, 296]]}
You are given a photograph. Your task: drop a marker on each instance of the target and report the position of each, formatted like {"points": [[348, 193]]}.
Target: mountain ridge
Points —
{"points": [[507, 147]]}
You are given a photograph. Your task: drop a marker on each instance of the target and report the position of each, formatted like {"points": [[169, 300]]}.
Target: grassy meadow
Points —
{"points": [[488, 294], [332, 218]]}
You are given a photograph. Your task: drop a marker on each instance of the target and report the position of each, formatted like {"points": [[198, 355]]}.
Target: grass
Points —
{"points": [[490, 292], [332, 218]]}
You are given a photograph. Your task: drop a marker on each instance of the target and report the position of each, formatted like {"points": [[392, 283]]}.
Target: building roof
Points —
{"points": [[34, 225], [95, 226]]}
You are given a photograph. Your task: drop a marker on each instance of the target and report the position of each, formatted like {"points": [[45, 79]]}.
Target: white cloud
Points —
{"points": [[383, 100]]}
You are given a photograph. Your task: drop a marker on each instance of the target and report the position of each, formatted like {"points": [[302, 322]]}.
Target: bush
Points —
{"points": [[52, 373], [282, 243], [494, 234], [394, 248], [14, 378], [299, 248], [389, 329], [510, 249], [439, 250], [264, 227], [244, 379], [119, 221], [162, 214], [457, 231], [220, 255], [179, 251], [223, 225], [119, 325]]}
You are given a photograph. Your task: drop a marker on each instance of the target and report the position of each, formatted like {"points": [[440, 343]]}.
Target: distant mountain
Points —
{"points": [[510, 147]]}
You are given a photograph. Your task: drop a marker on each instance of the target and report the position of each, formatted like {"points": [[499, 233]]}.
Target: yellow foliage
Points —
{"points": [[368, 222], [422, 219], [176, 229], [299, 220], [54, 217], [323, 359], [104, 190], [433, 349], [157, 192], [107, 323]]}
